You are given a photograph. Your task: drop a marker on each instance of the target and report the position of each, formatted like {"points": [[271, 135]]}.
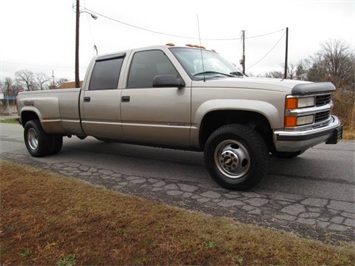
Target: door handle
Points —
{"points": [[87, 99], [125, 99]]}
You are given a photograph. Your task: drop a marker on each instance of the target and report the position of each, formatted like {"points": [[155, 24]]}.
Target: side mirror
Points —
{"points": [[168, 81]]}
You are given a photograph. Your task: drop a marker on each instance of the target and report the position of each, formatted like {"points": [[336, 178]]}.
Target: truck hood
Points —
{"points": [[281, 85]]}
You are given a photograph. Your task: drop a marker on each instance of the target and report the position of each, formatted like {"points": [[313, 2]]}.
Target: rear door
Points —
{"points": [[151, 115], [101, 116]]}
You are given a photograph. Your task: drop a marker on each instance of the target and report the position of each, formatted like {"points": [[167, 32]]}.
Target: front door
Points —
{"points": [[151, 115]]}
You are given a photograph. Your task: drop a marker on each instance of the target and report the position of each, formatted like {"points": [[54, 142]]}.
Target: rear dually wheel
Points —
{"points": [[38, 142]]}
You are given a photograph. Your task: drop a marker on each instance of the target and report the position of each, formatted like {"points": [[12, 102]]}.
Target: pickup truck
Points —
{"points": [[185, 98]]}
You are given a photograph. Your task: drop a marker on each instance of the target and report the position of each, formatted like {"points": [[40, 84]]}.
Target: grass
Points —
{"points": [[9, 121], [48, 219], [349, 134]]}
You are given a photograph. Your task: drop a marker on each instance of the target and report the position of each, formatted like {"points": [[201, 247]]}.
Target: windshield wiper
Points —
{"points": [[213, 72], [237, 74]]}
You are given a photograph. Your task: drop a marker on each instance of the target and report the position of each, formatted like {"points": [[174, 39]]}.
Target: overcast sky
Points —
{"points": [[39, 35]]}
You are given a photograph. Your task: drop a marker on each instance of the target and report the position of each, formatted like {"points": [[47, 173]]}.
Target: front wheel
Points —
{"points": [[236, 157]]}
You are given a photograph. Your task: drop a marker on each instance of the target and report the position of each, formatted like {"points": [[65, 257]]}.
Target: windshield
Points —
{"points": [[214, 66]]}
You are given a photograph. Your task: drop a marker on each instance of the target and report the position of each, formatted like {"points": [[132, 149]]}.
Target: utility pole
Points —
{"points": [[77, 78], [243, 59], [286, 54], [52, 78]]}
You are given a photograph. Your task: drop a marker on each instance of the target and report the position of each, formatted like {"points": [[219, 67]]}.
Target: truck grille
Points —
{"points": [[323, 99], [322, 116]]}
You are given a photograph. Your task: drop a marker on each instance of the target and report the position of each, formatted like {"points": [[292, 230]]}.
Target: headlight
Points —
{"points": [[296, 102], [305, 102], [304, 120], [294, 121]]}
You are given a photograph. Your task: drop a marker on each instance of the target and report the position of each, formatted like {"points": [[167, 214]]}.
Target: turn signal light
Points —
{"points": [[290, 121], [291, 103]]}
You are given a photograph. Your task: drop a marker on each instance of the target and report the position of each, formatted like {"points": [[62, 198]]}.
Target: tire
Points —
{"points": [[236, 157], [57, 144], [288, 155], [38, 142]]}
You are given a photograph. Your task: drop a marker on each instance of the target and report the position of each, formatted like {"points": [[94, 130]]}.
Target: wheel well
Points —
{"points": [[27, 116], [216, 119]]}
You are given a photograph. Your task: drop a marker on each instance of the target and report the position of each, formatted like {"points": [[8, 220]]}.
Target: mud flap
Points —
{"points": [[336, 136]]}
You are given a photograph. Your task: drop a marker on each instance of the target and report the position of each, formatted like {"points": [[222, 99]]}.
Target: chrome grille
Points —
{"points": [[322, 116], [323, 99]]}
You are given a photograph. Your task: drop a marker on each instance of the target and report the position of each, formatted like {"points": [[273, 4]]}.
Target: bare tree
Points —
{"points": [[57, 83], [27, 77], [274, 74], [291, 71], [335, 63], [8, 84], [41, 80], [294, 71], [11, 88], [301, 70]]}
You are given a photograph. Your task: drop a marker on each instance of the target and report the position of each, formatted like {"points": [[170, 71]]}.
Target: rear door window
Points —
{"points": [[106, 74]]}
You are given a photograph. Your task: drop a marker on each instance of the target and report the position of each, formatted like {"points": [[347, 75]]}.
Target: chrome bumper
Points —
{"points": [[287, 141]]}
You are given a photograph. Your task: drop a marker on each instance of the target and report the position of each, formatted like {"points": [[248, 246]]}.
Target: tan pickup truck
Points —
{"points": [[185, 98]]}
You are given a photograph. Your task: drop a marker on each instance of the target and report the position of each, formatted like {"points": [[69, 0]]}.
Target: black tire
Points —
{"points": [[236, 157], [288, 155], [38, 142], [57, 144]]}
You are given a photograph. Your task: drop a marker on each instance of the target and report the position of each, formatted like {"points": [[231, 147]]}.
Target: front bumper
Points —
{"points": [[288, 141]]}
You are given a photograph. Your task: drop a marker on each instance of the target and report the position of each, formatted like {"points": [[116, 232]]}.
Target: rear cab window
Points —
{"points": [[106, 73]]}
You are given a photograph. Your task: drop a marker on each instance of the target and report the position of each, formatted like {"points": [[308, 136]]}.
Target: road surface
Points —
{"points": [[312, 195]]}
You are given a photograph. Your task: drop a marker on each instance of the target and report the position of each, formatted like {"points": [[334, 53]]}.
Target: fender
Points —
{"points": [[266, 109], [50, 119]]}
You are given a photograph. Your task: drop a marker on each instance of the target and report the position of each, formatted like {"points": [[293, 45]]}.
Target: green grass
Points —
{"points": [[49, 219], [9, 121]]}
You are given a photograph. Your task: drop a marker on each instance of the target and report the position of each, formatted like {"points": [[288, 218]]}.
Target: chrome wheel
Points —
{"points": [[236, 157], [232, 159], [38, 142], [32, 139]]}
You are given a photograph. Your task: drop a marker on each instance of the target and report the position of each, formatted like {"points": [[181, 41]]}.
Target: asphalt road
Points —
{"points": [[311, 195]]}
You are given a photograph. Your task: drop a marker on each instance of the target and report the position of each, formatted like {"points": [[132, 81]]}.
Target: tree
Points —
{"points": [[301, 71], [335, 63], [41, 79], [57, 83], [27, 77], [293, 72], [10, 87], [274, 74]]}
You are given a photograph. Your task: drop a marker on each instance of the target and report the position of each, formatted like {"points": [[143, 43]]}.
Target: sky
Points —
{"points": [[39, 35]]}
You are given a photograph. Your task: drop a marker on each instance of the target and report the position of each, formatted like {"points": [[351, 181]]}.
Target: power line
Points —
{"points": [[177, 36], [268, 52]]}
